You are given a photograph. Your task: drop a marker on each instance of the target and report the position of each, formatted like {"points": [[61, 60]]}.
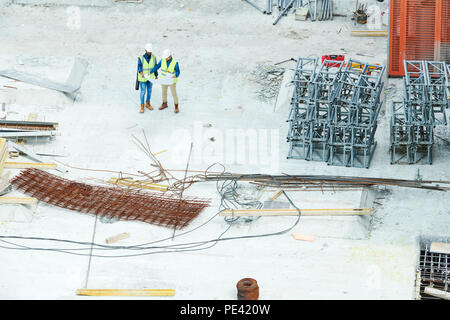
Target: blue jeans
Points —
{"points": [[146, 87]]}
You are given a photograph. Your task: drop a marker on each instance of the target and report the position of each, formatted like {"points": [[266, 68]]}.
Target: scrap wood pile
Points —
{"points": [[110, 202]]}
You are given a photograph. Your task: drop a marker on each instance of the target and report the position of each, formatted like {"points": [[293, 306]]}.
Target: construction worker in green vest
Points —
{"points": [[169, 69], [146, 63]]}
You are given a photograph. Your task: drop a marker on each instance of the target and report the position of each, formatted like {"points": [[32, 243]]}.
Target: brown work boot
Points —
{"points": [[176, 108], [163, 106], [142, 108], [149, 106]]}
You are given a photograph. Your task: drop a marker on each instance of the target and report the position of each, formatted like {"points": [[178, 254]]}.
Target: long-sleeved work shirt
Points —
{"points": [[177, 67], [147, 58]]}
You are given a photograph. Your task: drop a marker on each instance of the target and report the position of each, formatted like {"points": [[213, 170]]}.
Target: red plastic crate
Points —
{"points": [[335, 57]]}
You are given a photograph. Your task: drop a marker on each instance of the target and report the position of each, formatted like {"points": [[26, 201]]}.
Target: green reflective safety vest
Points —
{"points": [[146, 67], [168, 71]]}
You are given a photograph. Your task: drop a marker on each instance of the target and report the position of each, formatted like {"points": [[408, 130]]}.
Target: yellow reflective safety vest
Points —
{"points": [[168, 71], [146, 67]]}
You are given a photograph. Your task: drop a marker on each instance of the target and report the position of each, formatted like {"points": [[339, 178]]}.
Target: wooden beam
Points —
{"points": [[437, 293], [33, 156], [276, 195], [16, 200], [440, 247], [118, 237], [3, 153], [369, 33], [293, 212], [126, 292], [138, 184], [28, 165]]}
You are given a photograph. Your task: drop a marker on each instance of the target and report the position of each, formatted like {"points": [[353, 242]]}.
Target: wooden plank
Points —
{"points": [[138, 184], [126, 292], [32, 116], [16, 200], [440, 247], [276, 195], [369, 33], [28, 165], [304, 237], [437, 293], [293, 212], [3, 153], [34, 156], [118, 237]]}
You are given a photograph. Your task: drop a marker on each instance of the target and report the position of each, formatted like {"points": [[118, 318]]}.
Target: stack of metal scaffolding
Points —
{"points": [[334, 110], [422, 109]]}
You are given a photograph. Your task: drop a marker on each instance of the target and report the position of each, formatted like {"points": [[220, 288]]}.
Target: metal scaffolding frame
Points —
{"points": [[423, 107], [334, 110]]}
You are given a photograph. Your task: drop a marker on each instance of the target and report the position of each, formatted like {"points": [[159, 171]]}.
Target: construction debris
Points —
{"points": [[328, 183], [269, 78], [27, 165], [15, 129], [126, 292], [304, 237], [34, 156], [369, 33], [334, 111], [360, 13], [138, 184], [414, 119], [110, 202], [434, 274], [440, 247], [247, 289], [17, 200], [120, 236], [3, 153], [295, 212], [318, 9], [28, 125], [72, 84]]}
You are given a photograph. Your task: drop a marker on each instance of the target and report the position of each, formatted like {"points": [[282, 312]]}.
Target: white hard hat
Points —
{"points": [[166, 53], [148, 47]]}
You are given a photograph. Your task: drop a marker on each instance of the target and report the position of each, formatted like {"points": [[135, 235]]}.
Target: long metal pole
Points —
{"points": [[284, 11], [255, 6]]}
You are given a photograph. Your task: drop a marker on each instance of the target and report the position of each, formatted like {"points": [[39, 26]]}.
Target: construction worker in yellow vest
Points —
{"points": [[169, 69], [146, 63]]}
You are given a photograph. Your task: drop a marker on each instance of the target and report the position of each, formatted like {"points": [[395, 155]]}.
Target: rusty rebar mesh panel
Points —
{"points": [[110, 202]]}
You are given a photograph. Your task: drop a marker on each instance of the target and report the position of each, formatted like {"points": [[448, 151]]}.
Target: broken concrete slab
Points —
{"points": [[71, 85]]}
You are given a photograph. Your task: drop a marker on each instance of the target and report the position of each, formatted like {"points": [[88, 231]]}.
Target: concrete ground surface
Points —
{"points": [[218, 44]]}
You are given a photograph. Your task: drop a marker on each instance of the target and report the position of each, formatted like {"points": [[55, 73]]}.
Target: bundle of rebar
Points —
{"points": [[110, 202], [334, 111], [16, 129], [325, 182], [423, 108]]}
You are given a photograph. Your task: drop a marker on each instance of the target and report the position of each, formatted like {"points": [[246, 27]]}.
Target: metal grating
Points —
{"points": [[419, 30], [434, 272]]}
